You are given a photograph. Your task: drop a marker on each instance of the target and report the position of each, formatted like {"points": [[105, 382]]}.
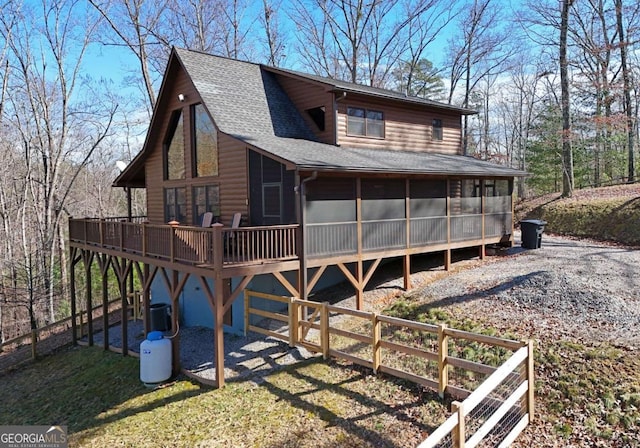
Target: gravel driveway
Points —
{"points": [[568, 288]]}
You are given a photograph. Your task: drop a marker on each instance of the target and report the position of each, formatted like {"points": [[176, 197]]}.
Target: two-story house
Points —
{"points": [[330, 179]]}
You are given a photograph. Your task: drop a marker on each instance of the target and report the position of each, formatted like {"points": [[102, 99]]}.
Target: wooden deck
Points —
{"points": [[267, 249], [194, 249], [176, 253]]}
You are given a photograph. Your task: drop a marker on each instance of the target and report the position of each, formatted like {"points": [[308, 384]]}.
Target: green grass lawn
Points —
{"points": [[99, 396], [586, 395]]}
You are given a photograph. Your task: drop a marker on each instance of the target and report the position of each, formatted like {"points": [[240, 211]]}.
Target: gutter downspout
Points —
{"points": [[336, 100], [302, 255]]}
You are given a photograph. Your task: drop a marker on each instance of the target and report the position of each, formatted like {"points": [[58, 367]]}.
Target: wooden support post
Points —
{"points": [[72, 293], [88, 295], [146, 299], [218, 340], [359, 287], [104, 269], [34, 342], [247, 304], [175, 320], [407, 272], [294, 323], [172, 240], [482, 253], [81, 328], [122, 281], [290, 309], [447, 259], [532, 383], [443, 365], [359, 268], [459, 432], [324, 330], [376, 327]]}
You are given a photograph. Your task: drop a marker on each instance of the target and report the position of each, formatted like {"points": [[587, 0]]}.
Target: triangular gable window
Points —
{"points": [[174, 149], [206, 143]]}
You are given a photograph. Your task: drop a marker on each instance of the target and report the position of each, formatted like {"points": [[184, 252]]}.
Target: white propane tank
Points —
{"points": [[155, 358]]}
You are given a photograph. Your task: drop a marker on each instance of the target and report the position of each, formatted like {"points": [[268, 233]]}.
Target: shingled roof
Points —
{"points": [[246, 102]]}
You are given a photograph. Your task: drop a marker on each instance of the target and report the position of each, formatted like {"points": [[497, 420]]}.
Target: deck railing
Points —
{"points": [[188, 245]]}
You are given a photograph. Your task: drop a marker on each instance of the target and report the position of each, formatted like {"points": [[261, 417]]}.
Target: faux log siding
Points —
{"points": [[232, 160], [232, 179], [306, 95], [154, 164], [406, 128]]}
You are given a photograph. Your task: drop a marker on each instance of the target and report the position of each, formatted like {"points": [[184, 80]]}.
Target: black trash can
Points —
{"points": [[532, 230], [160, 316]]}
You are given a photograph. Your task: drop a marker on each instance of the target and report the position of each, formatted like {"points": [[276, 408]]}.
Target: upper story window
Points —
{"points": [[366, 122], [174, 149], [436, 133], [205, 142]]}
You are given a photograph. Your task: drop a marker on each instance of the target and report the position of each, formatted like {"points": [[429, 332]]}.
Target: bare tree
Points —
{"points": [[58, 123], [567, 152], [356, 41], [628, 108], [273, 34], [133, 22]]}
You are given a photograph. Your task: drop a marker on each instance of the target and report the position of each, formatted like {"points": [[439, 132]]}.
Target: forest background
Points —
{"points": [[555, 83]]}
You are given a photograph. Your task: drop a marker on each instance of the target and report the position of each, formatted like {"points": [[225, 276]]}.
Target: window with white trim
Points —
{"points": [[365, 122]]}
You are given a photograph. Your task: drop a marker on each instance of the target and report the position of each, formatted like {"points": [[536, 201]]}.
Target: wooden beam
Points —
{"points": [[104, 261], [316, 277], [406, 270], [208, 293], [234, 294], [175, 319], [148, 276], [288, 286], [371, 271], [72, 294], [165, 278], [360, 287], [348, 274], [122, 283], [87, 258], [218, 339]]}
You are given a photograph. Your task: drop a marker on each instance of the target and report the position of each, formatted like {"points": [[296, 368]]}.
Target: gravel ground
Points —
{"points": [[249, 357], [571, 289]]}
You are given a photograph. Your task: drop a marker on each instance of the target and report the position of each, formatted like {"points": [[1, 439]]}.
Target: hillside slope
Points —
{"points": [[606, 213]]}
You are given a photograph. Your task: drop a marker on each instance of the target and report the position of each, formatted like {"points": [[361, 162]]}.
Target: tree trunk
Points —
{"points": [[627, 92], [567, 152]]}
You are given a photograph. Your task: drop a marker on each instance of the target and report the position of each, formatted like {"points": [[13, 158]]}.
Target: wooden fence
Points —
{"points": [[46, 339], [493, 376]]}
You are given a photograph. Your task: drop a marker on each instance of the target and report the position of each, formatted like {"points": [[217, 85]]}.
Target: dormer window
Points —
{"points": [[365, 122], [436, 132], [317, 115], [174, 149]]}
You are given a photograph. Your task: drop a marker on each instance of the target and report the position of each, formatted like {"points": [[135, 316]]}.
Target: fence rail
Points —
{"points": [[48, 338], [497, 396]]}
